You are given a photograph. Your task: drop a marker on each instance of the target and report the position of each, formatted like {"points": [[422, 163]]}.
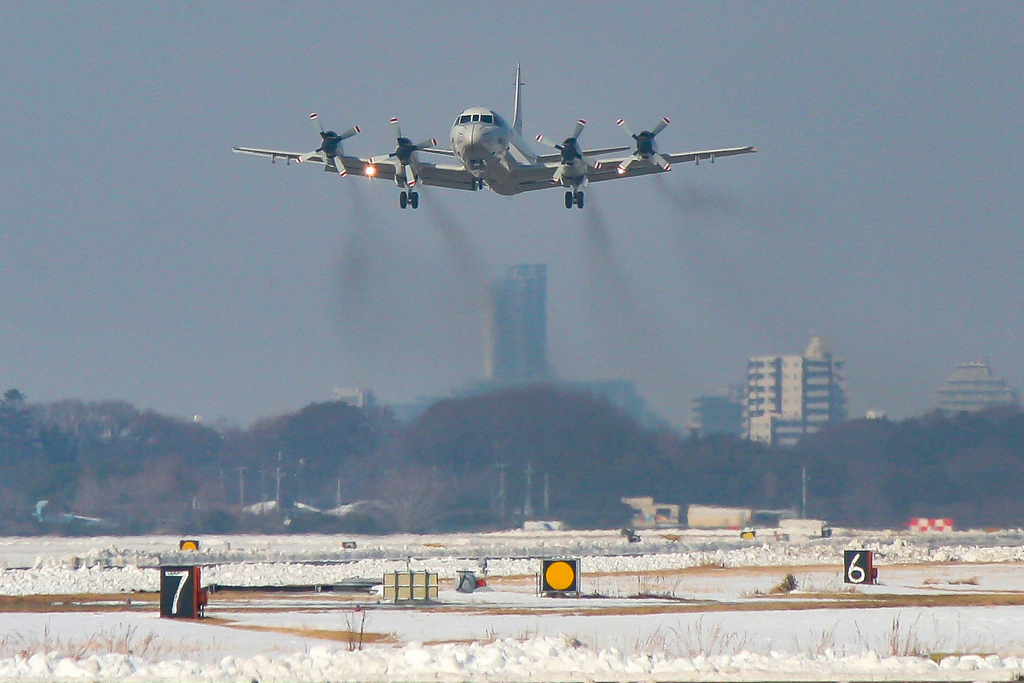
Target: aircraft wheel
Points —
{"points": [[403, 199], [414, 200], [568, 200], [579, 199]]}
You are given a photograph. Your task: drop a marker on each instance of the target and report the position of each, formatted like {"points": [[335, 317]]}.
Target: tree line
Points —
{"points": [[486, 461]]}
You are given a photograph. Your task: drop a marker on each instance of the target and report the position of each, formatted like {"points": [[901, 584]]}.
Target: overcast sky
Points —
{"points": [[143, 260]]}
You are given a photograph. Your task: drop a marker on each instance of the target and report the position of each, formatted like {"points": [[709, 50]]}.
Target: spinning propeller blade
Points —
{"points": [[645, 149]]}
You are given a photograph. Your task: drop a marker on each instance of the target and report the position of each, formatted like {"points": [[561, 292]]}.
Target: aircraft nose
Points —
{"points": [[482, 133]]}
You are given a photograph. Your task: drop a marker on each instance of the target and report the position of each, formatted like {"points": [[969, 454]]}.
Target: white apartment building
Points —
{"points": [[973, 387], [789, 397]]}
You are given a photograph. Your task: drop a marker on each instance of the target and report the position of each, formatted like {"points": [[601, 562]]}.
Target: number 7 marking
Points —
{"points": [[182, 580]]}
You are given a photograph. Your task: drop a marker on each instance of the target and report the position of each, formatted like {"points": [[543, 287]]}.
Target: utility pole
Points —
{"points": [[803, 492], [546, 500], [527, 506], [241, 487], [501, 490], [277, 494]]}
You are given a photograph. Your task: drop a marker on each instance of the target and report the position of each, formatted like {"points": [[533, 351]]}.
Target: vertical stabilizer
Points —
{"points": [[517, 113]]}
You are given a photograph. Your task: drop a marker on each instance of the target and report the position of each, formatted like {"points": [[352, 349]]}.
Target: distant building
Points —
{"points": [[973, 387], [517, 335], [720, 413], [651, 515], [360, 398], [788, 397]]}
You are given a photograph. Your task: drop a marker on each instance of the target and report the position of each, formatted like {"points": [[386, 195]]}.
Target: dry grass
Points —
{"points": [[119, 639], [116, 602], [969, 581], [352, 635], [710, 641], [784, 587]]}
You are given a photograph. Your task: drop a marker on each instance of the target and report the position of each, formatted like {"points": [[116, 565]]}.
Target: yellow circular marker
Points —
{"points": [[560, 576], [188, 545]]}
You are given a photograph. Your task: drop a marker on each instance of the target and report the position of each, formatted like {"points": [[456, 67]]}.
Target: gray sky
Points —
{"points": [[142, 260]]}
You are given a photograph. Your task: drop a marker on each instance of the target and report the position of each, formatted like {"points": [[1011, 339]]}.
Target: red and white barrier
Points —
{"points": [[925, 524]]}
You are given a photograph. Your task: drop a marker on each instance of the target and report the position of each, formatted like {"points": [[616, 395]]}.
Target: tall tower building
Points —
{"points": [[973, 387], [518, 337], [719, 413], [789, 397]]}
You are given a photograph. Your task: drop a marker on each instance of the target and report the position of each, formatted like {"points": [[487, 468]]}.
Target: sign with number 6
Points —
{"points": [[858, 566]]}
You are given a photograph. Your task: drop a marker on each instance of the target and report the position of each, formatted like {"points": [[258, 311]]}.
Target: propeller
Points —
{"points": [[405, 155], [330, 145], [570, 149], [645, 149]]}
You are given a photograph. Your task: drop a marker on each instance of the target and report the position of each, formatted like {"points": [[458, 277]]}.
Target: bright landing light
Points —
{"points": [[370, 171]]}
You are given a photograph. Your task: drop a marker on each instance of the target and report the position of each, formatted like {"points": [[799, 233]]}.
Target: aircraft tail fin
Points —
{"points": [[517, 112]]}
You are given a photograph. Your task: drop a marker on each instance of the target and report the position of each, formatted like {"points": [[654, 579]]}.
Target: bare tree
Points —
{"points": [[413, 496]]}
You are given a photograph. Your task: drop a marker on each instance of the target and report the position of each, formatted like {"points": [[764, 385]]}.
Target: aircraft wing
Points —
{"points": [[609, 167], [557, 156], [538, 176], [711, 154], [452, 176], [439, 175], [275, 154], [438, 150]]}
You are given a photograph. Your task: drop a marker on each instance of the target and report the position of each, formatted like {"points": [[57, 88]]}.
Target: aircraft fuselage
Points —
{"points": [[482, 140]]}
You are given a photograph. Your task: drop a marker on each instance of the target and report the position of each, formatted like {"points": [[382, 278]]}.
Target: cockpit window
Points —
{"points": [[476, 117], [486, 118], [465, 118]]}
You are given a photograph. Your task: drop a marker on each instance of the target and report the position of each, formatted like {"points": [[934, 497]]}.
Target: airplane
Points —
{"points": [[489, 152]]}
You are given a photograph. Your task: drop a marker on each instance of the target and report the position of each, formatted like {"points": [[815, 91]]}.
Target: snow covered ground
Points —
{"points": [[680, 605]]}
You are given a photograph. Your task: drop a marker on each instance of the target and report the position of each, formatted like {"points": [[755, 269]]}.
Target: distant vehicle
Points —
{"points": [[492, 153]]}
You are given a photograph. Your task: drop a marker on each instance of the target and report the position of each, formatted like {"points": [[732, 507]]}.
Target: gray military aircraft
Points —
{"points": [[489, 152]]}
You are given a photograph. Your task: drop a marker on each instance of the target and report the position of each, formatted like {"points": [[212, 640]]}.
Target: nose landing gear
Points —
{"points": [[573, 198], [410, 198]]}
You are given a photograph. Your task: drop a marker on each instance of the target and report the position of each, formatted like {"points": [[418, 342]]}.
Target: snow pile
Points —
{"points": [[110, 571], [697, 547], [551, 660], [57, 580]]}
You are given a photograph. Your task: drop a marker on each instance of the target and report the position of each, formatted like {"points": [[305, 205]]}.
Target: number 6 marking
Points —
{"points": [[854, 572], [181, 576]]}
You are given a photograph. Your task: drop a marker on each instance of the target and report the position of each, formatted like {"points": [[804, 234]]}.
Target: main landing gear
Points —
{"points": [[410, 198], [573, 198], [478, 184]]}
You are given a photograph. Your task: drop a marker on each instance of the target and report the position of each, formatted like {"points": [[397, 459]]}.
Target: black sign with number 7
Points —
{"points": [[180, 593]]}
